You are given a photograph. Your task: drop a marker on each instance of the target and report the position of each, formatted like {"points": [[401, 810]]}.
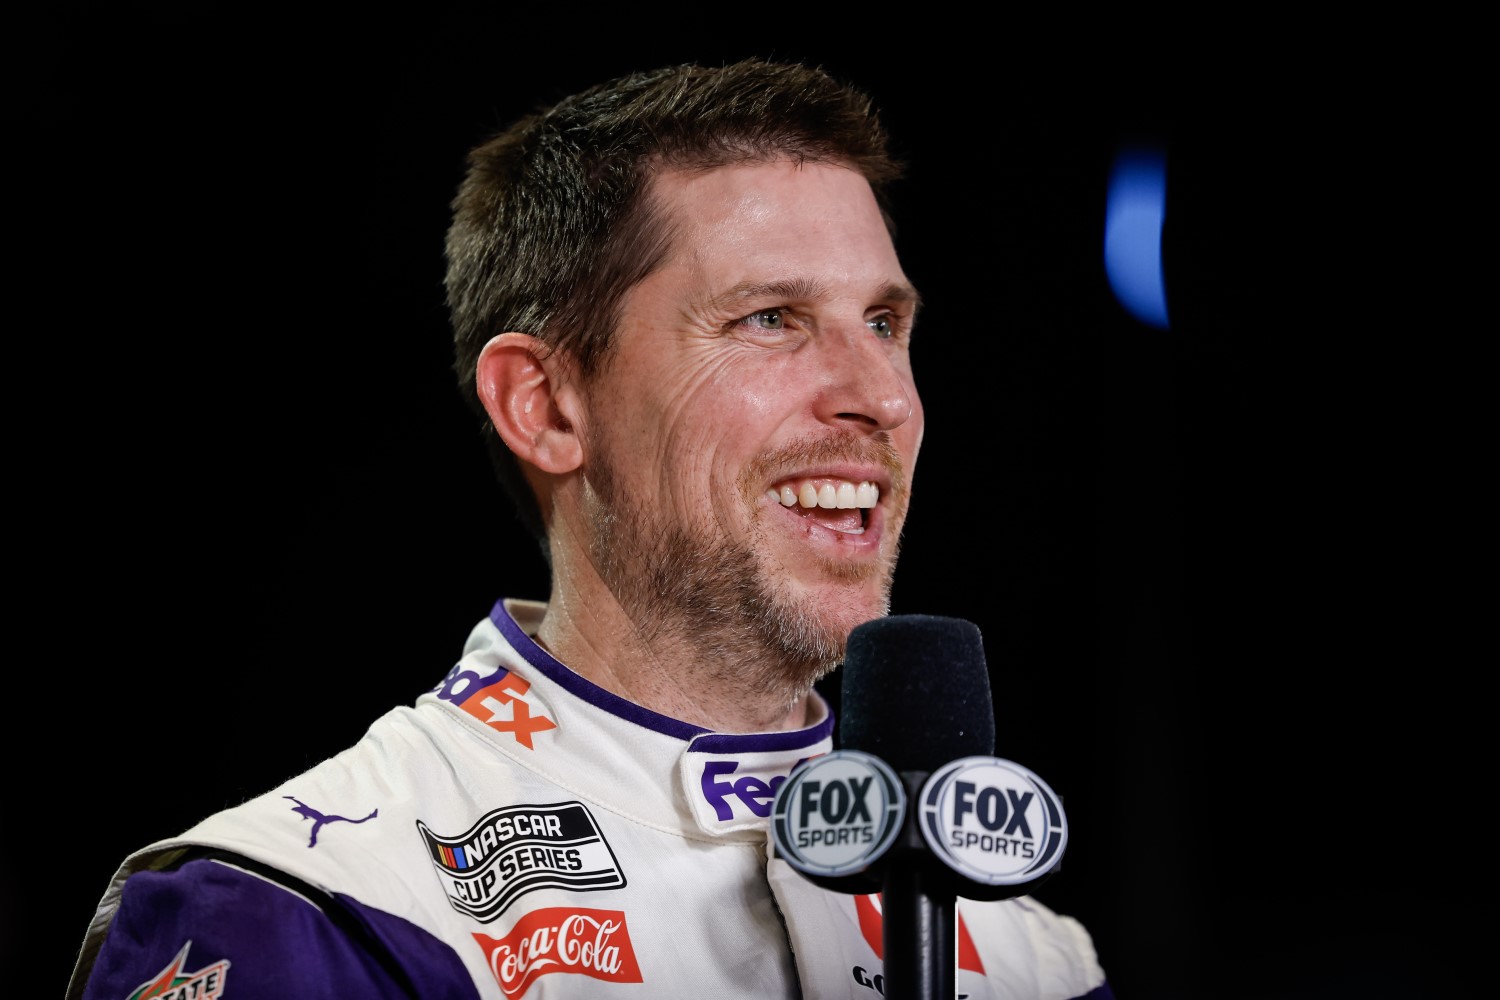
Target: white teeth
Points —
{"points": [[844, 495]]}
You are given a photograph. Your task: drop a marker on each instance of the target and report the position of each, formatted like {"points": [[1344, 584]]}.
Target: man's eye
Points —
{"points": [[882, 327], [768, 319]]}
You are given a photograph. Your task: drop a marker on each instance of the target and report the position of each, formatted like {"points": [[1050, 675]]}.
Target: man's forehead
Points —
{"points": [[695, 192], [769, 211]]}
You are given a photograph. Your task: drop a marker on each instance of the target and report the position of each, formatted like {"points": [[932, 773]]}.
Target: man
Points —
{"points": [[679, 310]]}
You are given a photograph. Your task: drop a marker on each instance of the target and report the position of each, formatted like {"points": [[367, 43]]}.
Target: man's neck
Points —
{"points": [[596, 639]]}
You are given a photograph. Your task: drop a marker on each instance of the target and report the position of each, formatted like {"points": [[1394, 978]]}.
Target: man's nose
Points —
{"points": [[862, 382]]}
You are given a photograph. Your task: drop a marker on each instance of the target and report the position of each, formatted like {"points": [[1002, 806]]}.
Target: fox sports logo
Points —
{"points": [[993, 821]]}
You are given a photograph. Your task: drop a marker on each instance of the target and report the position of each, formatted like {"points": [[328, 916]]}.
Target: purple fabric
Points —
{"points": [[794, 739], [276, 943]]}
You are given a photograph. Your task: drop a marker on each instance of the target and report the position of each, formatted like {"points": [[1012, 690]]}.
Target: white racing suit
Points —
{"points": [[520, 832]]}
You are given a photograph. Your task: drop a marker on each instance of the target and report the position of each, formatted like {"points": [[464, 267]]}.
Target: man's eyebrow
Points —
{"points": [[800, 289], [902, 294]]}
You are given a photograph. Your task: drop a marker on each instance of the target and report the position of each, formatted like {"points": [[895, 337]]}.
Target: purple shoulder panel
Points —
{"points": [[208, 925]]}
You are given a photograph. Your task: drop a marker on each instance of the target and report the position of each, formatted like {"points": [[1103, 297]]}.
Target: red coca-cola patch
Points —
{"points": [[584, 942]]}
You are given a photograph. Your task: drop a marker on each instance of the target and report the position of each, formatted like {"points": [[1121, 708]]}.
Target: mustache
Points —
{"points": [[834, 448]]}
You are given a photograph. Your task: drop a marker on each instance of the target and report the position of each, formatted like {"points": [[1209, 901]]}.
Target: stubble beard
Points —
{"points": [[689, 589]]}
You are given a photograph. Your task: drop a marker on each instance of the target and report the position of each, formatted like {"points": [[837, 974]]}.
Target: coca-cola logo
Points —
{"points": [[594, 943]]}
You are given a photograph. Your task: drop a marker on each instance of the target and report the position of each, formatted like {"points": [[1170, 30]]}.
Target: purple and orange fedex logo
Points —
{"points": [[501, 700], [737, 790]]}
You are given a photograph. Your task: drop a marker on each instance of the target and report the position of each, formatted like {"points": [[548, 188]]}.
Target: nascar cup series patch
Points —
{"points": [[518, 849], [993, 821], [838, 814]]}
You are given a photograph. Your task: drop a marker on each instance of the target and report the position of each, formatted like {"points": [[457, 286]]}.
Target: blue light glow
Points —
{"points": [[1134, 213]]}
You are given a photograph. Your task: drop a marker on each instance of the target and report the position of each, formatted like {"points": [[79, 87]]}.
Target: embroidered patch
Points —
{"points": [[594, 943], [519, 849], [172, 983]]}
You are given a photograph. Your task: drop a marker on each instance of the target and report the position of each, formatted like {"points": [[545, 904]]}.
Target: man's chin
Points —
{"points": [[839, 610]]}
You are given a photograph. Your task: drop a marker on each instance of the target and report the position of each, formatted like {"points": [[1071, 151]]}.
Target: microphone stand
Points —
{"points": [[919, 912]]}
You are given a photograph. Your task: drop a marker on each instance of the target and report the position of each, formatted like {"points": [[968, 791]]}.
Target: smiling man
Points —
{"points": [[680, 315], [725, 495]]}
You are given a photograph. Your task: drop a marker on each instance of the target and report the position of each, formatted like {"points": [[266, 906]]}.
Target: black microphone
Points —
{"points": [[916, 694], [913, 804]]}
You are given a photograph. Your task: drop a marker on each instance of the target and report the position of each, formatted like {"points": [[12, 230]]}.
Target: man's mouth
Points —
{"points": [[837, 504]]}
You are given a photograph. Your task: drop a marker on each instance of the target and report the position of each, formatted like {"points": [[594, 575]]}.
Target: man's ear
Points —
{"points": [[522, 388]]}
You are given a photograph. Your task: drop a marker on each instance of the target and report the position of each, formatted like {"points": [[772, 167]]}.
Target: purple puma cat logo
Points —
{"points": [[308, 812]]}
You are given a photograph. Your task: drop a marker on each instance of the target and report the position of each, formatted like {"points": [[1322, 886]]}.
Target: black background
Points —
{"points": [[254, 514]]}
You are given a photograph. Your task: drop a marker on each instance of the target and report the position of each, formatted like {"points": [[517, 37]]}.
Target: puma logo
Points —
{"points": [[320, 819]]}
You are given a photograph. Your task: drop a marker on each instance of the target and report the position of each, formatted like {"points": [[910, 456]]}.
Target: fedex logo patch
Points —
{"points": [[724, 789], [732, 791], [500, 700]]}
